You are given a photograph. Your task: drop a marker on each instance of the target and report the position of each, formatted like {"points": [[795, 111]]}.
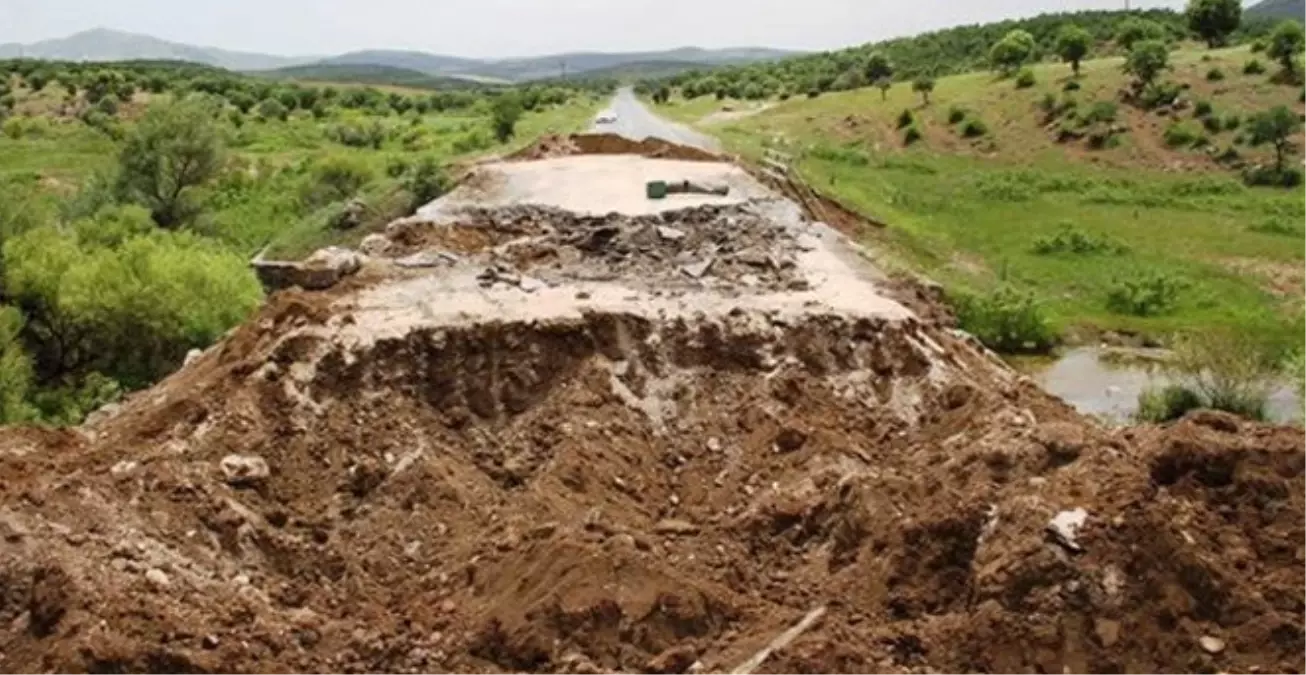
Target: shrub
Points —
{"points": [[1181, 134], [1229, 370], [1166, 404], [335, 178], [850, 155], [1270, 176], [357, 135], [905, 119], [1048, 103], [14, 127], [974, 128], [1101, 112], [1025, 79], [1253, 67], [911, 135], [1073, 241], [956, 114], [1277, 226], [1202, 108], [505, 111], [1006, 321], [1071, 85], [1147, 60], [271, 108], [1159, 94], [396, 166], [1214, 75], [175, 148], [1213, 124], [1232, 121], [1258, 46], [427, 181], [1149, 294], [471, 141]]}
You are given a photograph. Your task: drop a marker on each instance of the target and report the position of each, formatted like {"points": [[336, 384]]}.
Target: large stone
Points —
{"points": [[244, 469]]}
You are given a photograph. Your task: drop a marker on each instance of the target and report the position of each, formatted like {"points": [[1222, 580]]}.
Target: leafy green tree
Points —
{"points": [[1275, 127], [1073, 43], [38, 79], [288, 98], [176, 147], [877, 66], [884, 84], [271, 108], [1136, 29], [1147, 60], [15, 369], [242, 100], [1286, 44], [923, 85], [427, 181], [1214, 20], [1012, 51], [505, 112]]}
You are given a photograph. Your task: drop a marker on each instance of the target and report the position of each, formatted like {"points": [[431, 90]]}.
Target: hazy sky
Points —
{"points": [[501, 28]]}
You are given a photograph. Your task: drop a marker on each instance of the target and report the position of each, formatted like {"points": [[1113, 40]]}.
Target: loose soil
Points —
{"points": [[634, 486]]}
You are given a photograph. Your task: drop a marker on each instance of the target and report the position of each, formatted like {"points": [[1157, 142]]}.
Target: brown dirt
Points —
{"points": [[617, 492], [611, 144]]}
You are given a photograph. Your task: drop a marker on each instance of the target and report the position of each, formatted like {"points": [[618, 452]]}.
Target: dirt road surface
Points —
{"points": [[635, 121], [552, 426]]}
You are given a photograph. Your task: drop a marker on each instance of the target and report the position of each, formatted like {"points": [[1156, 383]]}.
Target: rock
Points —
{"points": [[244, 469], [123, 467], [670, 233], [1063, 441], [789, 440], [157, 578], [351, 215], [374, 244], [1211, 644], [209, 642], [192, 356], [714, 444], [676, 659], [673, 526], [699, 269], [424, 259], [1108, 631], [1064, 527], [530, 284], [342, 260], [448, 606]]}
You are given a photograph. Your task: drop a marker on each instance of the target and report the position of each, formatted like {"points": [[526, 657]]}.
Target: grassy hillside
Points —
{"points": [[1277, 9], [369, 74], [993, 183]]}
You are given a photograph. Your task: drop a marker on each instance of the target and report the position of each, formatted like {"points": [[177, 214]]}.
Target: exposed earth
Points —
{"points": [[551, 425]]}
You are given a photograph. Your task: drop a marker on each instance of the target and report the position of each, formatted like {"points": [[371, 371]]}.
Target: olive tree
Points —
{"points": [[176, 147], [1214, 20], [1073, 43]]}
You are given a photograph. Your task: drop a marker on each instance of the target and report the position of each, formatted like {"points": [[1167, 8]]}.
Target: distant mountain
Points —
{"points": [[1278, 9], [640, 70], [102, 44], [366, 73]]}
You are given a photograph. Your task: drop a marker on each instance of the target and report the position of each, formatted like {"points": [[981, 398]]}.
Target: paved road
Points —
{"points": [[636, 121]]}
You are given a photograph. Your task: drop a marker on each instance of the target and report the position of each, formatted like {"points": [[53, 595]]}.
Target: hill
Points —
{"points": [[369, 74], [102, 44], [1277, 9], [587, 62], [421, 62]]}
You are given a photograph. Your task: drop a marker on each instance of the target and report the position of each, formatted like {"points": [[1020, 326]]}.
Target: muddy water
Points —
{"points": [[1109, 387]]}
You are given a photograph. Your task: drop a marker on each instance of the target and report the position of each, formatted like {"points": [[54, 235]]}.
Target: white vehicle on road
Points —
{"points": [[606, 118]]}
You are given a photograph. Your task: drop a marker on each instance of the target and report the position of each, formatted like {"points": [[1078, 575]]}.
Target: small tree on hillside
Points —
{"points": [[1136, 29], [173, 149], [1214, 20], [1073, 43], [1275, 127], [1147, 60], [506, 111], [884, 84], [877, 67], [923, 85], [1012, 51], [1286, 43]]}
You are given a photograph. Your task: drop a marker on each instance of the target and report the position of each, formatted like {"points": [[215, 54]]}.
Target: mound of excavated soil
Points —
{"points": [[610, 144], [438, 466]]}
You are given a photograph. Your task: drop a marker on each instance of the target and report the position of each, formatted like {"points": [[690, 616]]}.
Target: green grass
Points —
{"points": [[968, 211]]}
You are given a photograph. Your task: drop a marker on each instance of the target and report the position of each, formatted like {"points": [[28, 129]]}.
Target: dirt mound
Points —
{"points": [[610, 144]]}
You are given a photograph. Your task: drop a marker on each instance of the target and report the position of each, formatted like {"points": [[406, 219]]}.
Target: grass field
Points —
{"points": [[970, 212]]}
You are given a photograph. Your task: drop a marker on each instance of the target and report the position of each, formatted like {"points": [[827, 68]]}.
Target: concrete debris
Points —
{"points": [[1211, 645], [1064, 528]]}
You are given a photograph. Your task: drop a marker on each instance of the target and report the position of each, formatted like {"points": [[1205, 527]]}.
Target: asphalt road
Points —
{"points": [[636, 121]]}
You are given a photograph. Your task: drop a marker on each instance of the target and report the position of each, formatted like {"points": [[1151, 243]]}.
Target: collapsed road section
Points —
{"points": [[547, 424]]}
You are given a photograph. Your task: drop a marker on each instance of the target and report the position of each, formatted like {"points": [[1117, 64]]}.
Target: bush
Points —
{"points": [[396, 166], [335, 178], [1071, 85], [505, 111], [1253, 67], [1166, 404], [1277, 226], [1025, 79], [956, 114], [1213, 124], [356, 135], [911, 135], [1149, 294], [1258, 46], [1229, 370], [1103, 112], [1181, 134], [1073, 241], [974, 128], [1006, 321], [1214, 75], [1232, 121], [1269, 176], [1202, 108], [905, 119], [271, 108], [427, 181], [1160, 93]]}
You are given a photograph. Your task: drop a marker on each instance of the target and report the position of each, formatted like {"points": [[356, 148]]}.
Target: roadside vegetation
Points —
{"points": [[132, 196], [1067, 176]]}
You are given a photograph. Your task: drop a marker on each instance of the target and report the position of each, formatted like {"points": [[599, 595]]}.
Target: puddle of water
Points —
{"points": [[1109, 389]]}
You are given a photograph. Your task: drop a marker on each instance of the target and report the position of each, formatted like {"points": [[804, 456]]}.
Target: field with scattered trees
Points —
{"points": [[1068, 178], [132, 196]]}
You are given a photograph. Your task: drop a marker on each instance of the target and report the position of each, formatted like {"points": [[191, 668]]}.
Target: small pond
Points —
{"points": [[1097, 381]]}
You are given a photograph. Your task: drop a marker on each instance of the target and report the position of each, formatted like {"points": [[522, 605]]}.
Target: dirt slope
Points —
{"points": [[431, 469]]}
